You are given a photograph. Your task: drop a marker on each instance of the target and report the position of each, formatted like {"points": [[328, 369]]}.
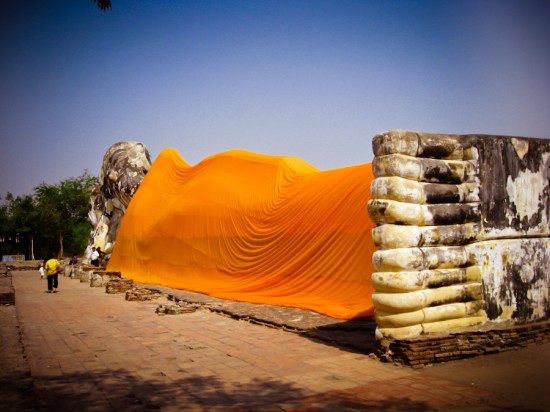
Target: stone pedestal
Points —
{"points": [[462, 230]]}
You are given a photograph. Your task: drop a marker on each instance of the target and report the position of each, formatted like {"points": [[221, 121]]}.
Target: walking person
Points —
{"points": [[51, 268]]}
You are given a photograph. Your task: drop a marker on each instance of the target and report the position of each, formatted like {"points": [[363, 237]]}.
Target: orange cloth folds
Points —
{"points": [[253, 228]]}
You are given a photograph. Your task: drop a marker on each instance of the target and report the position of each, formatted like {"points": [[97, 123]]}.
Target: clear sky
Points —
{"points": [[312, 79]]}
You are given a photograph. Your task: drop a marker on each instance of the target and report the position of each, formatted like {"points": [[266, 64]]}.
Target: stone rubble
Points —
{"points": [[177, 308], [141, 294]]}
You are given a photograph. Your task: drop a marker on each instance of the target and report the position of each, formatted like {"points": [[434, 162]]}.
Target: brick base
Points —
{"points": [[426, 350]]}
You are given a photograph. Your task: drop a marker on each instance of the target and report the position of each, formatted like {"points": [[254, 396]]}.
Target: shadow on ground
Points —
{"points": [[350, 335], [120, 389]]}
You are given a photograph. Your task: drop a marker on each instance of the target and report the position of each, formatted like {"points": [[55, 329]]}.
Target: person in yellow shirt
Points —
{"points": [[51, 271]]}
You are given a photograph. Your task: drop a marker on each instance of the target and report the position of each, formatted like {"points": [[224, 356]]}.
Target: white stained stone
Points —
{"points": [[392, 211], [412, 259], [410, 191], [469, 192], [396, 141], [406, 259], [396, 236], [509, 264], [390, 236], [425, 170], [445, 257], [443, 327], [521, 146], [429, 314], [407, 167], [411, 301], [525, 192], [397, 188], [411, 281]]}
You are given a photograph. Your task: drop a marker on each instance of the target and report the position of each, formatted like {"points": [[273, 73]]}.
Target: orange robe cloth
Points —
{"points": [[253, 228]]}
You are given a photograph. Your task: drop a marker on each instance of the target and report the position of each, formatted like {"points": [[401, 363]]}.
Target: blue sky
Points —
{"points": [[312, 79]]}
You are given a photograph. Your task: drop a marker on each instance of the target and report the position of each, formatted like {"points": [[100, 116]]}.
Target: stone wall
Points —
{"points": [[462, 230]]}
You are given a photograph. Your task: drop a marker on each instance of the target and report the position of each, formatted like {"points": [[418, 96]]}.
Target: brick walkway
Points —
{"points": [[87, 350]]}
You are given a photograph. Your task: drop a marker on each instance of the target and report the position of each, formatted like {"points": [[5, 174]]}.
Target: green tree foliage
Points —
{"points": [[4, 215], [17, 213], [55, 216], [16, 218]]}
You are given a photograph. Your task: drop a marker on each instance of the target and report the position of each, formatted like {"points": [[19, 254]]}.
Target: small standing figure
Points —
{"points": [[41, 271], [94, 258], [101, 255], [51, 267]]}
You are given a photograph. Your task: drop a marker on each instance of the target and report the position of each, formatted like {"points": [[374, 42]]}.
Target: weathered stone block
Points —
{"points": [[384, 211], [418, 144], [85, 276], [142, 294], [424, 170], [119, 285], [391, 236], [516, 278], [176, 309], [462, 203], [100, 279], [410, 191]]}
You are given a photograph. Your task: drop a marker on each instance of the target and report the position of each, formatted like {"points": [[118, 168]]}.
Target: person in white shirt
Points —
{"points": [[94, 258]]}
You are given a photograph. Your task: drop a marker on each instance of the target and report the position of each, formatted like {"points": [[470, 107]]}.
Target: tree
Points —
{"points": [[103, 5], [4, 215], [74, 205], [63, 210], [55, 216], [17, 222]]}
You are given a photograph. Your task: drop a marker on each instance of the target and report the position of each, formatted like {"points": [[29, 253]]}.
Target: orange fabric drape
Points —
{"points": [[253, 228]]}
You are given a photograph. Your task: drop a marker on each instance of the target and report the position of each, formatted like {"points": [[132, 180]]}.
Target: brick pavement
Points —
{"points": [[91, 351]]}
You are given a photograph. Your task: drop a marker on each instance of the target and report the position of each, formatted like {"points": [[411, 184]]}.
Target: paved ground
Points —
{"points": [[82, 349]]}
